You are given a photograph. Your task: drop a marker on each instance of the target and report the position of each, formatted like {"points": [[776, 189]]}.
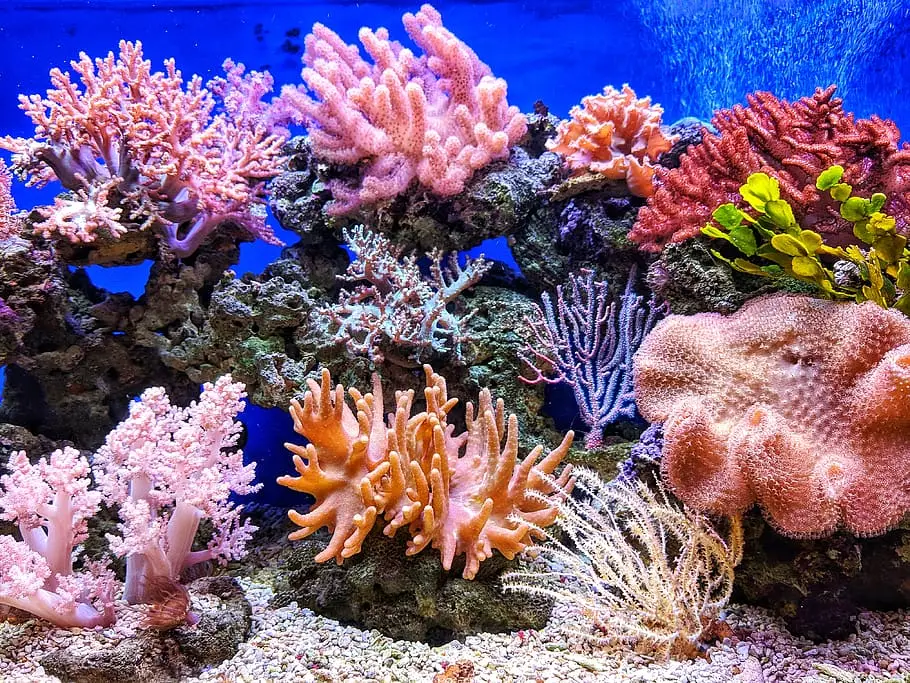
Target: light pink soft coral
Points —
{"points": [[138, 148], [435, 118], [51, 502], [797, 404], [168, 468]]}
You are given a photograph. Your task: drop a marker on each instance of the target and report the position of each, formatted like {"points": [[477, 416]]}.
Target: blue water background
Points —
{"points": [[689, 55]]}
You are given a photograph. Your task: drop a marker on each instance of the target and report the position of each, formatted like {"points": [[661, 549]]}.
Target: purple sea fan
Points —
{"points": [[587, 341]]}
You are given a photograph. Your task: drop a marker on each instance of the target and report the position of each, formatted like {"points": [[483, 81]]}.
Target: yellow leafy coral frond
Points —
{"points": [[464, 494]]}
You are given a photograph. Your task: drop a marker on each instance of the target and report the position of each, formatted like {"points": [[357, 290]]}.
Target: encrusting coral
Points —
{"points": [[614, 134], [793, 142], [794, 403], [464, 495]]}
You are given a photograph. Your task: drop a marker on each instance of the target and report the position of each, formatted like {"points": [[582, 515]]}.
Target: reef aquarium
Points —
{"points": [[478, 342]]}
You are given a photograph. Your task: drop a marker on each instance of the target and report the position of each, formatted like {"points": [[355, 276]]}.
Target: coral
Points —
{"points": [[52, 501], [138, 149], [645, 571], [614, 134], [645, 454], [878, 271], [436, 118], [587, 342], [10, 223], [168, 468], [151, 655], [464, 494], [794, 403], [793, 142], [397, 307]]}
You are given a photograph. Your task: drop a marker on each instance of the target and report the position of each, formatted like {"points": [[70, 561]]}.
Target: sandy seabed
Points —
{"points": [[292, 644]]}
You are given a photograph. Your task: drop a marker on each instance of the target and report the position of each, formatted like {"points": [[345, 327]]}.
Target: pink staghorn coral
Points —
{"points": [[797, 404], [615, 134], [168, 468], [138, 149], [464, 495], [436, 118], [51, 501]]}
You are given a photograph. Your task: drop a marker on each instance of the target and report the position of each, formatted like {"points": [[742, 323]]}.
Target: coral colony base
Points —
{"points": [[727, 306]]}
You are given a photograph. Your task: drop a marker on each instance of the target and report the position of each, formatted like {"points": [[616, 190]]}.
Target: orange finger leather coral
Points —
{"points": [[463, 495], [615, 134], [798, 404]]}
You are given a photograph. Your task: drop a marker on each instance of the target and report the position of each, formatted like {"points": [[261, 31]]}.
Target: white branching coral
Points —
{"points": [[644, 570], [394, 306]]}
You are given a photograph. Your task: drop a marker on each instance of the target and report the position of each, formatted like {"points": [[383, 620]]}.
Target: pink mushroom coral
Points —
{"points": [[797, 404]]}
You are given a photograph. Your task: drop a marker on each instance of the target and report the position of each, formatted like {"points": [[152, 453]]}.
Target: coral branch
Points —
{"points": [[139, 149], [394, 305], [169, 468], [435, 118], [464, 495], [791, 142], [587, 341]]}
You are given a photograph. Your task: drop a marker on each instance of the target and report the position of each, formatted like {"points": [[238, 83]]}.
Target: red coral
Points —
{"points": [[791, 142], [794, 403]]}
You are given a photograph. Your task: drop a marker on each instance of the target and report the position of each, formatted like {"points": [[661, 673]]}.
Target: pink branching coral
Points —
{"points": [[393, 305], [464, 495], [615, 134], [791, 142], [138, 149], [798, 404], [168, 468], [435, 118], [10, 223], [51, 501]]}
